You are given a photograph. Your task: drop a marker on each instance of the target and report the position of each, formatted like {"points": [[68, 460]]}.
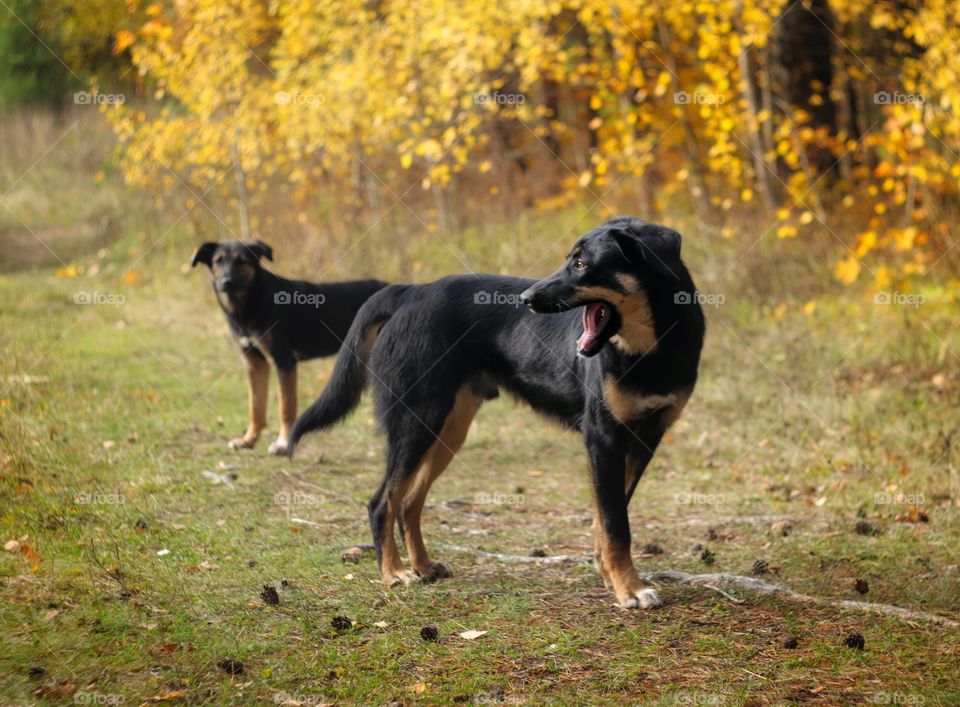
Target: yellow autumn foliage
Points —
{"points": [[314, 94]]}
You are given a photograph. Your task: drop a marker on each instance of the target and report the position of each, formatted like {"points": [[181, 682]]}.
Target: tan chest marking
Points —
{"points": [[627, 405]]}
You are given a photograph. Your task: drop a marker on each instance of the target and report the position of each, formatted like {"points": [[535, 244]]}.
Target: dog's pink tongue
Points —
{"points": [[591, 326]]}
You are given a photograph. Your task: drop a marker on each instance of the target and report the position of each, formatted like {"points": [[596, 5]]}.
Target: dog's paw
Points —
{"points": [[241, 443], [642, 599], [280, 447], [436, 571], [404, 577]]}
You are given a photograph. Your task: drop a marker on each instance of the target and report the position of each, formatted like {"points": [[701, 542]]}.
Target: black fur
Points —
{"points": [[273, 318], [492, 332]]}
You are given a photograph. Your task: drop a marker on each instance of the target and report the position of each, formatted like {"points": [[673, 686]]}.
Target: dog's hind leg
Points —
{"points": [[409, 439], [258, 377], [383, 509], [435, 461]]}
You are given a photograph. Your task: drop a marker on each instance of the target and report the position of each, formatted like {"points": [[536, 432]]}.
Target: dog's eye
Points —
{"points": [[218, 259], [579, 264]]}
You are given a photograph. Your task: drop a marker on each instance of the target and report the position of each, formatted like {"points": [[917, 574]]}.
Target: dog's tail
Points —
{"points": [[343, 390]]}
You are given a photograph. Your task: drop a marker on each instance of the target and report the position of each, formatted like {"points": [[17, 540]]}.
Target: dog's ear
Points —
{"points": [[657, 246], [204, 254], [259, 249]]}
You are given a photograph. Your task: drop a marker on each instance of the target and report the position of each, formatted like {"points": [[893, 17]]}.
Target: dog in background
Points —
{"points": [[277, 320], [609, 345]]}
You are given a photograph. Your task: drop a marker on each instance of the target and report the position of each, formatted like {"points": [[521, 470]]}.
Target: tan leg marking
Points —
{"points": [[435, 461], [392, 570], [630, 474], [288, 408], [614, 563], [632, 592], [258, 377], [598, 561]]}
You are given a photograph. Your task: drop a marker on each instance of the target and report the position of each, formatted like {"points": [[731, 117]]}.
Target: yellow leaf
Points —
{"points": [[406, 160], [847, 270], [786, 231], [122, 40]]}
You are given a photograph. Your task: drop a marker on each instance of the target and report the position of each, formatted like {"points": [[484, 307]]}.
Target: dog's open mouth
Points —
{"points": [[597, 328]]}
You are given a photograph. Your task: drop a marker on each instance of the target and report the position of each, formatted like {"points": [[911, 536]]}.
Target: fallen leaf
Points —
{"points": [[380, 624], [161, 553], [472, 634], [169, 697], [12, 546], [30, 555], [51, 614]]}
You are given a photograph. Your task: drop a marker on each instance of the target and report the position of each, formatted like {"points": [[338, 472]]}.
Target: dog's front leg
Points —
{"points": [[612, 525], [287, 377], [258, 377]]}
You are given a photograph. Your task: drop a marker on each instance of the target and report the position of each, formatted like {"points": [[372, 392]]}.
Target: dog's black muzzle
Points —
{"points": [[550, 295]]}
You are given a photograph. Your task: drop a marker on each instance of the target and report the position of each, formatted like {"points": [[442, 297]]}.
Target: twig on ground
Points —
{"points": [[749, 583], [728, 596]]}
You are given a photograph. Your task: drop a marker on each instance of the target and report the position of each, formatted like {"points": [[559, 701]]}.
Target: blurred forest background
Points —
{"points": [[823, 129]]}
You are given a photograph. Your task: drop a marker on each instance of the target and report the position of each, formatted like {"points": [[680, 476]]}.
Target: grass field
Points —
{"points": [[821, 441]]}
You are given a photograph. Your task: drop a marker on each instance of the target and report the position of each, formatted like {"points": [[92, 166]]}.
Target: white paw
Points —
{"points": [[279, 447], [405, 577], [643, 599], [240, 443]]}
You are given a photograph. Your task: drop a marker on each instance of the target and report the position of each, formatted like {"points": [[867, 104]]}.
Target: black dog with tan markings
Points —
{"points": [[608, 345], [283, 321]]}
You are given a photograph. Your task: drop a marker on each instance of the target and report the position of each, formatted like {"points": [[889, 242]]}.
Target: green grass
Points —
{"points": [[798, 416]]}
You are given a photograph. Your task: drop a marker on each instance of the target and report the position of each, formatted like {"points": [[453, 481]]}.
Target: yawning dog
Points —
{"points": [[284, 321], [608, 345]]}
